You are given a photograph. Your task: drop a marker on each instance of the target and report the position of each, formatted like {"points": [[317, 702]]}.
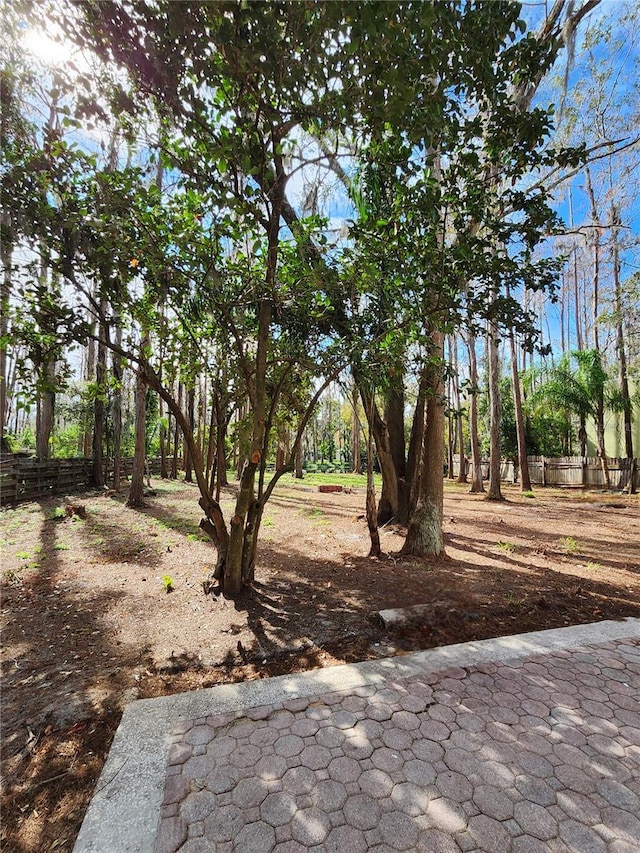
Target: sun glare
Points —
{"points": [[51, 52]]}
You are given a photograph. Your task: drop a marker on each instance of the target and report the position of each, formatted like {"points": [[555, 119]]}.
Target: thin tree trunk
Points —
{"points": [[298, 472], [495, 492], [620, 347], [372, 520], [117, 410], [6, 251], [176, 438], [356, 462], [596, 257], [89, 377], [523, 465], [188, 462], [136, 490], [462, 459], [97, 455], [164, 471], [477, 484]]}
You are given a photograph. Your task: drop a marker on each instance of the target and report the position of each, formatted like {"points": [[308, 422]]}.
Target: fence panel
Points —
{"points": [[24, 478], [569, 471]]}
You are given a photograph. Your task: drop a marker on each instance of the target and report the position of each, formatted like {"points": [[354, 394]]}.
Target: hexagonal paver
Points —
{"points": [[271, 767], [536, 790], [410, 799], [419, 772], [278, 808], [455, 786], [535, 820], [249, 792], [224, 823], [310, 826], [493, 802], [299, 780], [345, 769], [489, 835], [376, 783], [256, 837], [398, 831], [345, 838], [362, 812], [447, 815], [315, 757], [288, 745], [197, 806], [387, 759], [329, 795]]}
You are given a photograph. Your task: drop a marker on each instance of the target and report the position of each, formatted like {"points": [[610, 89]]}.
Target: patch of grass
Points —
{"points": [[61, 547], [349, 481], [57, 512], [506, 547], [197, 537], [312, 512], [268, 522], [513, 600], [592, 566], [528, 494], [569, 544], [167, 582], [23, 555]]}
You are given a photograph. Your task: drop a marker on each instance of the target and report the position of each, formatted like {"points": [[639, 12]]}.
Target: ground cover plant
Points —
{"points": [[89, 626]]}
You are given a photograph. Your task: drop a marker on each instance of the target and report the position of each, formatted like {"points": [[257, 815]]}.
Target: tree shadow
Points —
{"points": [[63, 675]]}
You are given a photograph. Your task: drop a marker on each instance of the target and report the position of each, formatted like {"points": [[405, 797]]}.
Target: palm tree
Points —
{"points": [[578, 384]]}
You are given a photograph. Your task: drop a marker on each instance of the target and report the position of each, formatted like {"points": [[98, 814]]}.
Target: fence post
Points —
{"points": [[544, 471]]}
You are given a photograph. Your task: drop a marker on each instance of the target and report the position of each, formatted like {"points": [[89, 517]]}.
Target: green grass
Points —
{"points": [[197, 537], [592, 566], [528, 494], [507, 547], [268, 522], [23, 555], [312, 512], [569, 544], [348, 481]]}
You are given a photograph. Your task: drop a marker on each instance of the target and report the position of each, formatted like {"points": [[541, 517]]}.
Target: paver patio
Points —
{"points": [[520, 744]]}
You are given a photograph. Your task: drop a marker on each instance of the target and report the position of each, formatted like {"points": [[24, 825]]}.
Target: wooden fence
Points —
{"points": [[576, 471], [24, 478]]}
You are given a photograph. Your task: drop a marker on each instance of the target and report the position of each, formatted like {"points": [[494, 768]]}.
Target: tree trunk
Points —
{"points": [[372, 520], [494, 493], [596, 257], [298, 472], [136, 491], [620, 347], [97, 455], [425, 535], [176, 437], [6, 251], [462, 459], [477, 484], [117, 410], [45, 410], [356, 462], [188, 463], [523, 465], [164, 471]]}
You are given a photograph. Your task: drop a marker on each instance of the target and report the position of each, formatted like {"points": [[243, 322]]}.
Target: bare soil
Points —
{"points": [[89, 624]]}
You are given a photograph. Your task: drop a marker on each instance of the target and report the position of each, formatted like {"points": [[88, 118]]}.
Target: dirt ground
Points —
{"points": [[88, 624]]}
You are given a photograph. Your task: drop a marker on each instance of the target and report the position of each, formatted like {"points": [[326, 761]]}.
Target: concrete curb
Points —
{"points": [[124, 813]]}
